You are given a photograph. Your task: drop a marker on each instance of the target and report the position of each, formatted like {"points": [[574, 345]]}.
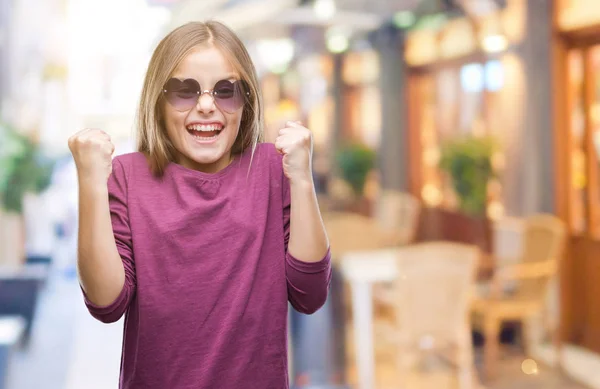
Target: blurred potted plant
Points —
{"points": [[468, 162], [23, 169], [355, 161]]}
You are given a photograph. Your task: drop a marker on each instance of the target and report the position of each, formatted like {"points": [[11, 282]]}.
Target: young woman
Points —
{"points": [[202, 236]]}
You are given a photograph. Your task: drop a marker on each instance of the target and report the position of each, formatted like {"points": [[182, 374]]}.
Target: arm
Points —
{"points": [[308, 265], [308, 241], [308, 260], [105, 256]]}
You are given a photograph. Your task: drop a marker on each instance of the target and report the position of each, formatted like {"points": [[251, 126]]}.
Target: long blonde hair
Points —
{"points": [[152, 138]]}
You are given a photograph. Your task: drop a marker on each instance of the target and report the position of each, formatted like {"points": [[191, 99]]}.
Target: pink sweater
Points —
{"points": [[208, 275]]}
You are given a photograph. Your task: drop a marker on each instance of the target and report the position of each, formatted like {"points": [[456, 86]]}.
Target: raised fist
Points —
{"points": [[295, 144], [92, 151]]}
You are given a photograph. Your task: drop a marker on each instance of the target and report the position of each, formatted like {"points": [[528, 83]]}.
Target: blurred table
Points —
{"points": [[362, 269]]}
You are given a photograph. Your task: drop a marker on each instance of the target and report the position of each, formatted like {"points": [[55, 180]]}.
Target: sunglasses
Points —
{"points": [[183, 95]]}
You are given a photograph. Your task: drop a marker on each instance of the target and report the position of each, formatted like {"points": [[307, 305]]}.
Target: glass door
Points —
{"points": [[584, 139]]}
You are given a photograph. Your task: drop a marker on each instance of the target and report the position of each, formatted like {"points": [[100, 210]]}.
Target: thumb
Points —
{"points": [[279, 147]]}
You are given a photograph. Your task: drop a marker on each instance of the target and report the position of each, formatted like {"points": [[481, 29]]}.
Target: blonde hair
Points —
{"points": [[152, 138]]}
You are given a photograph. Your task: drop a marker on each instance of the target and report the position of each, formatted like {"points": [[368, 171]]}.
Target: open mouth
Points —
{"points": [[205, 132]]}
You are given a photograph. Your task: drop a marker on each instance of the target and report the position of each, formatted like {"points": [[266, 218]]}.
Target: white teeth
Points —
{"points": [[205, 137], [212, 127]]}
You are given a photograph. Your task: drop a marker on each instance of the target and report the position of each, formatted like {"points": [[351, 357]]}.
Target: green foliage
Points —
{"points": [[468, 162], [23, 168], [355, 161]]}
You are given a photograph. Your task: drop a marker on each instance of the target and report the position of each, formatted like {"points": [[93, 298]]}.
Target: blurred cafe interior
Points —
{"points": [[456, 163]]}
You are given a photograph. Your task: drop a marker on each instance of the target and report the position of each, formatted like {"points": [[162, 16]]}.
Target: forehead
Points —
{"points": [[205, 64]]}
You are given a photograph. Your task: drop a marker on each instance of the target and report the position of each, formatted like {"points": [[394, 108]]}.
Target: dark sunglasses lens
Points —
{"points": [[182, 95], [230, 96]]}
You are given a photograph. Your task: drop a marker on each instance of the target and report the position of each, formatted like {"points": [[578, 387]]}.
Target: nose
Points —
{"points": [[206, 103]]}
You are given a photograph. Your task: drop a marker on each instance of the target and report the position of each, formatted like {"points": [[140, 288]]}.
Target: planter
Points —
{"points": [[443, 224], [362, 206]]}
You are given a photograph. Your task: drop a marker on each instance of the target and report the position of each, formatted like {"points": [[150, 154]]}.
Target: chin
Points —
{"points": [[207, 152]]}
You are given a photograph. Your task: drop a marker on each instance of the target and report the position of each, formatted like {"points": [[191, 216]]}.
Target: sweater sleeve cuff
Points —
{"points": [[310, 267], [107, 309]]}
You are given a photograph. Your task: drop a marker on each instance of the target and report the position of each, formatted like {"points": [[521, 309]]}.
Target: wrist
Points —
{"points": [[93, 185], [301, 189], [302, 182]]}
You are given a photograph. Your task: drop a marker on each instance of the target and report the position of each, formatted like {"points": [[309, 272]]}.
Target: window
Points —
{"points": [[584, 140], [452, 102]]}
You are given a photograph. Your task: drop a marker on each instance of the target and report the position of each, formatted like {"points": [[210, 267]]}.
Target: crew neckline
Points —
{"points": [[236, 160]]}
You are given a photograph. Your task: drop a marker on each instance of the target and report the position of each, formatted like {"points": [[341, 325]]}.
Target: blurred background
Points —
{"points": [[457, 148]]}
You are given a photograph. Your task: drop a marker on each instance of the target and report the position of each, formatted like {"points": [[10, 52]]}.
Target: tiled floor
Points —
{"points": [[510, 376], [43, 363], [68, 349], [71, 350]]}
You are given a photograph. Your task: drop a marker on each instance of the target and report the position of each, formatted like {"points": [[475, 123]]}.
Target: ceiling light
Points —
{"points": [[324, 9], [276, 54], [337, 44], [495, 43]]}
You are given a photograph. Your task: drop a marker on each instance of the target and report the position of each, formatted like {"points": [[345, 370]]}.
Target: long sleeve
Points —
{"points": [[307, 283], [117, 192]]}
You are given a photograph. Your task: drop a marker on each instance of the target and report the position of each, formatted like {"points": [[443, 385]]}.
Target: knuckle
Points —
{"points": [[77, 141]]}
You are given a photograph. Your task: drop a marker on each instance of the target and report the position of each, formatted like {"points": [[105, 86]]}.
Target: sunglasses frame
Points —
{"points": [[211, 92]]}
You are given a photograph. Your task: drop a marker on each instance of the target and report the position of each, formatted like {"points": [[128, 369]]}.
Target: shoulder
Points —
{"points": [[126, 165], [272, 161], [132, 161], [129, 159], [266, 164], [268, 153]]}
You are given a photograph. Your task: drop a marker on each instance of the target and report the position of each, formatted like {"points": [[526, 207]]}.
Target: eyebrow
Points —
{"points": [[229, 76]]}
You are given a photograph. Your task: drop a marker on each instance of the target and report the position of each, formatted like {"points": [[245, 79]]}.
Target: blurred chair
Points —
{"points": [[352, 232], [340, 195], [507, 240], [528, 280], [398, 215], [431, 300]]}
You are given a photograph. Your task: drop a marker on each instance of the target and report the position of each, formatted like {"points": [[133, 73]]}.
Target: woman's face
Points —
{"points": [[201, 129]]}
